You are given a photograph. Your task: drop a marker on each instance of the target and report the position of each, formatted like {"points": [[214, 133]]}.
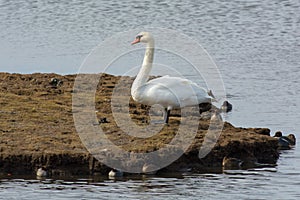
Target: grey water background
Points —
{"points": [[255, 44]]}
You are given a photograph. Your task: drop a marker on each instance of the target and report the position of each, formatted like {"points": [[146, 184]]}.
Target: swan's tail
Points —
{"points": [[213, 98]]}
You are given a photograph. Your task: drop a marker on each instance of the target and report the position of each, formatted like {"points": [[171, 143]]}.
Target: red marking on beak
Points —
{"points": [[137, 40]]}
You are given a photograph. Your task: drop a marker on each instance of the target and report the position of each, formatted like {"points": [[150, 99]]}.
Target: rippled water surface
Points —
{"points": [[256, 45], [281, 182]]}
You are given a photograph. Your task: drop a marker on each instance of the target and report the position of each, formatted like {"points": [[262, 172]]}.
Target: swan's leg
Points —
{"points": [[166, 115], [155, 119]]}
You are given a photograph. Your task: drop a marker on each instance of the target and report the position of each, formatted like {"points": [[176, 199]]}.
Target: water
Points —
{"points": [[252, 184], [256, 45]]}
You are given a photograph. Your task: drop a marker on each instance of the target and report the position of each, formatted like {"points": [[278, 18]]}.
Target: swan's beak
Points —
{"points": [[137, 40]]}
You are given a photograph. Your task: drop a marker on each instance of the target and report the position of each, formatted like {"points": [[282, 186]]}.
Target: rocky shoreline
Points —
{"points": [[37, 129]]}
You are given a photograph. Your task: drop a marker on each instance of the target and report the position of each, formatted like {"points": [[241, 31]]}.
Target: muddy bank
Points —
{"points": [[37, 129]]}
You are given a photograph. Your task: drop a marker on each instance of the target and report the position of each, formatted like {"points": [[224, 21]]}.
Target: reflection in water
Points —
{"points": [[237, 183]]}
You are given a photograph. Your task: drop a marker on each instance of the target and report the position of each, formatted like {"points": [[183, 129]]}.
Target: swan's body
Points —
{"points": [[169, 92]]}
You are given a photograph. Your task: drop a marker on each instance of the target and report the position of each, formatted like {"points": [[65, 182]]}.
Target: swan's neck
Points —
{"points": [[144, 72]]}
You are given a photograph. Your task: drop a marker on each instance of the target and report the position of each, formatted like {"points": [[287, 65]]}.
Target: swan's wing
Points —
{"points": [[177, 89], [168, 81], [176, 83]]}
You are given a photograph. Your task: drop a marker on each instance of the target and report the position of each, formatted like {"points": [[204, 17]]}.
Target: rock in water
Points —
{"points": [[42, 172], [115, 173], [226, 107]]}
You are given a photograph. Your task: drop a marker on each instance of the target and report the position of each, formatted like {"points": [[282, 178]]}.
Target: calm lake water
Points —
{"points": [[256, 45]]}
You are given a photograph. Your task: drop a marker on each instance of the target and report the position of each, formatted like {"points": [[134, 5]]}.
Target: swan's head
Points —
{"points": [[144, 37]]}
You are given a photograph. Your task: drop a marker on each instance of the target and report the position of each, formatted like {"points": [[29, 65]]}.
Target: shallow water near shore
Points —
{"points": [[242, 184], [256, 45]]}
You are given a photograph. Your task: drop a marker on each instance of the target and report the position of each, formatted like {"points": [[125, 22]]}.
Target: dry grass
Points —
{"points": [[37, 118]]}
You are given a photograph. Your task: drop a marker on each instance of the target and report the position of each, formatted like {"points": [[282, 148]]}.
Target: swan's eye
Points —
{"points": [[139, 37]]}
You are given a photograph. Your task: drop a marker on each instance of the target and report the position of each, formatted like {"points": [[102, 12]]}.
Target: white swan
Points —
{"points": [[169, 92]]}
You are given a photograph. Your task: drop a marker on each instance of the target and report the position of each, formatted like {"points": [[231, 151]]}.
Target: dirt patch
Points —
{"points": [[37, 129]]}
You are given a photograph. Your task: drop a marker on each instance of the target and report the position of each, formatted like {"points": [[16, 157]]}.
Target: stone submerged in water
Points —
{"points": [[226, 107], [37, 129], [115, 173], [285, 142], [42, 172]]}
